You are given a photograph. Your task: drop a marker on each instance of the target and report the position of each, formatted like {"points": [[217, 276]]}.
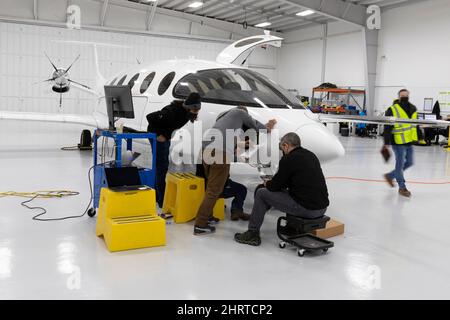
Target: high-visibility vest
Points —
{"points": [[403, 133]]}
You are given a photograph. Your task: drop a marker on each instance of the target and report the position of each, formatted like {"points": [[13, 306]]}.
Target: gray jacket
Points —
{"points": [[231, 120]]}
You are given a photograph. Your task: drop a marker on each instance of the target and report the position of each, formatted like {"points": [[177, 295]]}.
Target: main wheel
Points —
{"points": [[301, 252], [91, 212], [325, 250], [282, 245]]}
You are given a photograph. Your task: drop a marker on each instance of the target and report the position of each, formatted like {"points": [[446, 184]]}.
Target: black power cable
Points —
{"points": [[44, 211]]}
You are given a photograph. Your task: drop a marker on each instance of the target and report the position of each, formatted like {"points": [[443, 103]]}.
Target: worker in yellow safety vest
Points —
{"points": [[401, 137]]}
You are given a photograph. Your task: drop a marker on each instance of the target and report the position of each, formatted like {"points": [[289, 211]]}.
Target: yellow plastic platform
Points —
{"points": [[128, 220], [183, 196]]}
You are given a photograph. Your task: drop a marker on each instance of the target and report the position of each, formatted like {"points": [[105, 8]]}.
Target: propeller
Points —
{"points": [[61, 79]]}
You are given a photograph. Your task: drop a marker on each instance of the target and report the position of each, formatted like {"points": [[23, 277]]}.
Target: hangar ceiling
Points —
{"points": [[283, 15]]}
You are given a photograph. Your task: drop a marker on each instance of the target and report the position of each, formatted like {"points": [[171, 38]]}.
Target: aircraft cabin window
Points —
{"points": [[235, 87], [133, 80], [165, 83], [112, 82], [121, 80], [147, 81]]}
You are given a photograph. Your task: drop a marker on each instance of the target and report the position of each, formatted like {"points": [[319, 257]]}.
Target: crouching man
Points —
{"points": [[298, 189]]}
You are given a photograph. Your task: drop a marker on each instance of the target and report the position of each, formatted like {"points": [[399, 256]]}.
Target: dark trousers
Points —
{"points": [[162, 166], [238, 192], [217, 175], [265, 199]]}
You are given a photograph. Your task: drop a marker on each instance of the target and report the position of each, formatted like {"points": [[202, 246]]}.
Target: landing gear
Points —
{"points": [[282, 245]]}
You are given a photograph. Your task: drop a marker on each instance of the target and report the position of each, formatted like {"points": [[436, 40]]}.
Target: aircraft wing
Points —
{"points": [[88, 120], [327, 118]]}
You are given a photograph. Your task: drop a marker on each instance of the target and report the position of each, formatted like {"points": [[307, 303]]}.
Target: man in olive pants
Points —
{"points": [[216, 161]]}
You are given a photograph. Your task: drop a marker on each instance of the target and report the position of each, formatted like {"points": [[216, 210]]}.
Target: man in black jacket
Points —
{"points": [[163, 123], [298, 188]]}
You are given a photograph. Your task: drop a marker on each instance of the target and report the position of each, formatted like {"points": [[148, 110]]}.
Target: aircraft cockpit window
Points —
{"points": [[147, 81], [133, 80], [165, 83], [121, 80], [247, 42], [112, 82], [235, 87]]}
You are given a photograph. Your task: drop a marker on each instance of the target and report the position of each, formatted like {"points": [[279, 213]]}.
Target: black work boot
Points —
{"points": [[248, 237]]}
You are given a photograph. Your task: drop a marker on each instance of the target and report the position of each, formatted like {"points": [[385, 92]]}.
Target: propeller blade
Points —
{"points": [[60, 98], [54, 67], [76, 59], [80, 84], [48, 80]]}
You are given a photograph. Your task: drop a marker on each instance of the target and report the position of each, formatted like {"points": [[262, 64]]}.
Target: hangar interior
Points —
{"points": [[392, 248]]}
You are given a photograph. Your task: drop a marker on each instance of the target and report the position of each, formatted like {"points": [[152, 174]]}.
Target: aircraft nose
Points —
{"points": [[318, 139]]}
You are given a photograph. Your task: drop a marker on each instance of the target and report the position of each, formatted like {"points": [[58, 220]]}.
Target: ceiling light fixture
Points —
{"points": [[263, 24], [305, 13], [196, 4]]}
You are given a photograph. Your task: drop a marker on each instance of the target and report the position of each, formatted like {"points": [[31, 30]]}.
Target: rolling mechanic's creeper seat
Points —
{"points": [[295, 231]]}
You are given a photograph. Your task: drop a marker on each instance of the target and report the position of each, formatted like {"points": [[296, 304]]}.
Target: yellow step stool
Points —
{"points": [[128, 220], [183, 195]]}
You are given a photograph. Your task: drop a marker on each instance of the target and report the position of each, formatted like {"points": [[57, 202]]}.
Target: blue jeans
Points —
{"points": [[404, 159], [236, 190], [162, 166]]}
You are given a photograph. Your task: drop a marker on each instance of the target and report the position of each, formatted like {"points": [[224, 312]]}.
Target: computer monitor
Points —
{"points": [[119, 103]]}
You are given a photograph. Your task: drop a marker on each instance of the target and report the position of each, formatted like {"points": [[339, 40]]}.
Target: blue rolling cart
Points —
{"points": [[147, 176]]}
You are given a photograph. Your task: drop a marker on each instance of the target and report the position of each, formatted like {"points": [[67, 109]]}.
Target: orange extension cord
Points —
{"points": [[384, 181]]}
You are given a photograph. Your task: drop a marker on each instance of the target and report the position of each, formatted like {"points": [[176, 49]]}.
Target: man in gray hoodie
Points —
{"points": [[217, 158]]}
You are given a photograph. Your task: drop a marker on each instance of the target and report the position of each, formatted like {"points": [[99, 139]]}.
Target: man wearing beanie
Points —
{"points": [[163, 123]]}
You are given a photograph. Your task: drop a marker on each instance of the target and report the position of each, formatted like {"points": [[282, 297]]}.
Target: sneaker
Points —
{"points": [[212, 221], [389, 180], [404, 192], [248, 237], [204, 230]]}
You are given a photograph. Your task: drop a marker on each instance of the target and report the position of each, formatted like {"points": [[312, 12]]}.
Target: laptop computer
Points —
{"points": [[124, 179]]}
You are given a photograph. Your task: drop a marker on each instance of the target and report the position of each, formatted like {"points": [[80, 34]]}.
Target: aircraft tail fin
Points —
{"points": [[99, 78]]}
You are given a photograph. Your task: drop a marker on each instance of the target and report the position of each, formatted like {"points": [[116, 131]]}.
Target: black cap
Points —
{"points": [[193, 101]]}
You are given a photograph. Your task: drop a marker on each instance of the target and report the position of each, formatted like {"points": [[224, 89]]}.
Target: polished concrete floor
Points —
{"points": [[392, 248]]}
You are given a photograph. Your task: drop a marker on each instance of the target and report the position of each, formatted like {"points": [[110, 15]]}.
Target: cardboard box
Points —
{"points": [[332, 229]]}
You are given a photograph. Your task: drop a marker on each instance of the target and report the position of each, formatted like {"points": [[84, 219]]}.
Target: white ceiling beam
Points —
{"points": [[103, 12], [173, 3], [297, 27], [151, 15], [35, 9], [355, 15]]}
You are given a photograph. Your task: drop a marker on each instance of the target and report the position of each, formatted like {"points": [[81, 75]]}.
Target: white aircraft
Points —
{"points": [[222, 85]]}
